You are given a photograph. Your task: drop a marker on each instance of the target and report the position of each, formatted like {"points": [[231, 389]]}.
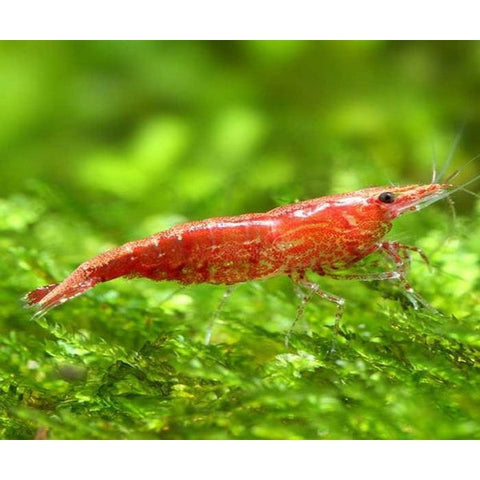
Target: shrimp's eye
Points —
{"points": [[387, 197]]}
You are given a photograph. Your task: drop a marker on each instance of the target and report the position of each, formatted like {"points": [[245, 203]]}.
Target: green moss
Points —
{"points": [[163, 132]]}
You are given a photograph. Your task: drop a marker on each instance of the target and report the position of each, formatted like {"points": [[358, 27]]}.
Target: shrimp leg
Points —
{"points": [[394, 249], [399, 253], [315, 289], [229, 290], [304, 301]]}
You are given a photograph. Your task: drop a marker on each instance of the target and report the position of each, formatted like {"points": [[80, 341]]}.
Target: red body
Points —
{"points": [[322, 235], [309, 235]]}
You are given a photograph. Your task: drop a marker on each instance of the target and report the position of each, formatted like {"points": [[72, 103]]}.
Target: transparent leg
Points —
{"points": [[304, 300], [395, 250], [316, 290], [216, 314]]}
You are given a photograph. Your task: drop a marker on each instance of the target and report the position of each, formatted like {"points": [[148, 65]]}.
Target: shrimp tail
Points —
{"points": [[50, 296], [35, 296], [106, 266]]}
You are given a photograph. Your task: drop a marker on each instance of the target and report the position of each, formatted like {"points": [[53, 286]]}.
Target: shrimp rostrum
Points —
{"points": [[325, 235]]}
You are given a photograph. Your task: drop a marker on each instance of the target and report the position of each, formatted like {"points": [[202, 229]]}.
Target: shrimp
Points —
{"points": [[324, 235]]}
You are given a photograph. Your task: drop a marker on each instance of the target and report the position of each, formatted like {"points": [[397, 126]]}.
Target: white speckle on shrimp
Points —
{"points": [[351, 220]]}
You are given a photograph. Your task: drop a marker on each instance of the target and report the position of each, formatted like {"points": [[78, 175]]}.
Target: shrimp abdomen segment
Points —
{"points": [[222, 250], [219, 251]]}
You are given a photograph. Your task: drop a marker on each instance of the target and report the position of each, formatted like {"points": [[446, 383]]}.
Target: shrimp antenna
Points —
{"points": [[452, 176], [470, 192], [450, 155], [434, 164], [447, 193], [458, 171], [462, 187], [451, 205]]}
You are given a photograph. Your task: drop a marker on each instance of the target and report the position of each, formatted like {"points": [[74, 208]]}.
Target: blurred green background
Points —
{"points": [[105, 142]]}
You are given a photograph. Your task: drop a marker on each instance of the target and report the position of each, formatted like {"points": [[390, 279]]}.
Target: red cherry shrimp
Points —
{"points": [[325, 235]]}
